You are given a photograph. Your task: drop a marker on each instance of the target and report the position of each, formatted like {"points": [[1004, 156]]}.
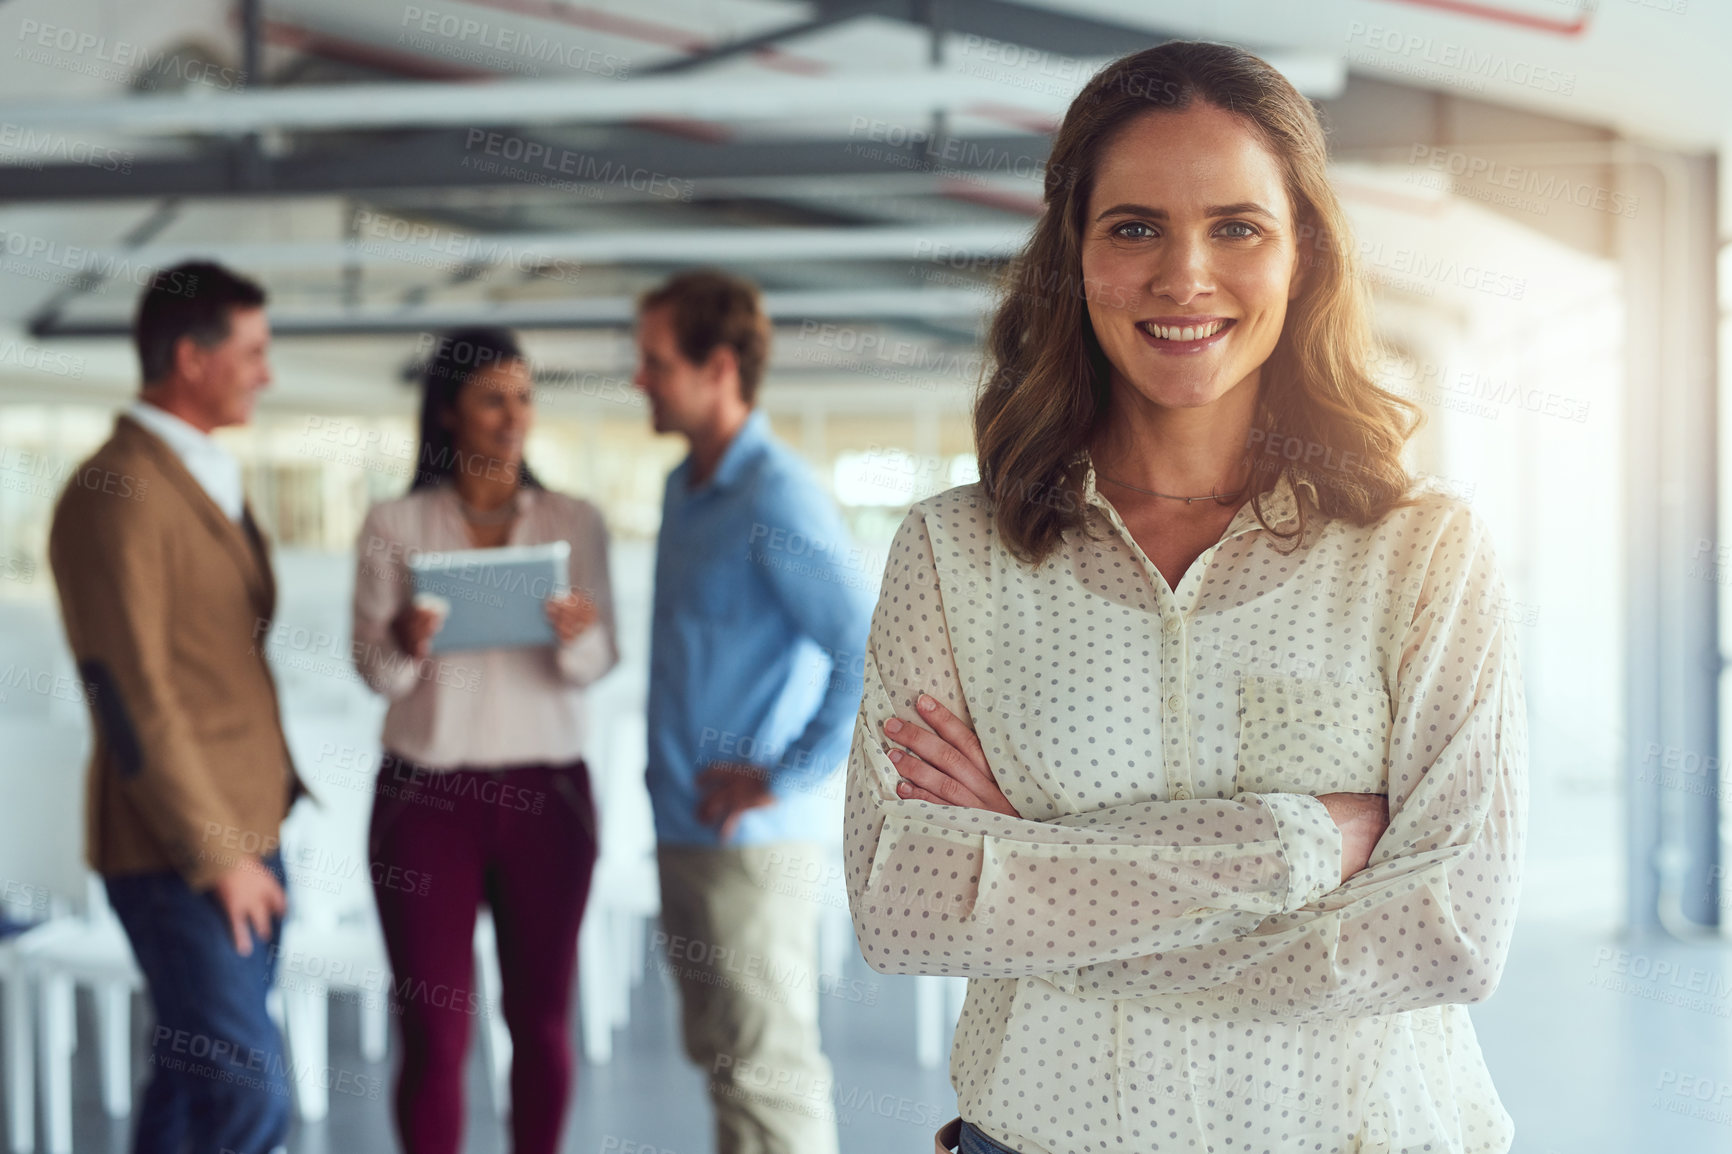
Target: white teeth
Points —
{"points": [[1184, 332]]}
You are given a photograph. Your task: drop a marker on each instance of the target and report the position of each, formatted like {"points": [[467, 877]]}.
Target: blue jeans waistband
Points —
{"points": [[975, 1142]]}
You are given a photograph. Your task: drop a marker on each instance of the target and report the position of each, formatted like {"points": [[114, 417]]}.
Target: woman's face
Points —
{"points": [[1188, 256], [492, 414]]}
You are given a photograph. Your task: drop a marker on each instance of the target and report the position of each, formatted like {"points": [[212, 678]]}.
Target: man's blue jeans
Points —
{"points": [[219, 1081]]}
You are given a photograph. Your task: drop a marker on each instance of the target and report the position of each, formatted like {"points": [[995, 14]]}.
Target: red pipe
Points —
{"points": [[632, 28], [309, 39], [1504, 16]]}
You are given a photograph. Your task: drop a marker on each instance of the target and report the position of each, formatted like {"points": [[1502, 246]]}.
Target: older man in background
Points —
{"points": [[164, 581]]}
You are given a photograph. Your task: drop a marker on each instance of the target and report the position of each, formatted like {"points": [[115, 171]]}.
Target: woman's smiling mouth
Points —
{"points": [[1184, 334]]}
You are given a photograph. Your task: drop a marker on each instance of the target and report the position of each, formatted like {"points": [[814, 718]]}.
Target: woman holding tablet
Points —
{"points": [[1204, 760], [483, 794]]}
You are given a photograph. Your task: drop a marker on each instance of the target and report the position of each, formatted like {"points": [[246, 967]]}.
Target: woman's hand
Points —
{"points": [[570, 615], [414, 628], [1362, 817], [945, 764]]}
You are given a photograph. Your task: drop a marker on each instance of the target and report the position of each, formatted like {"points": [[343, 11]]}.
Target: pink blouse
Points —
{"points": [[487, 708]]}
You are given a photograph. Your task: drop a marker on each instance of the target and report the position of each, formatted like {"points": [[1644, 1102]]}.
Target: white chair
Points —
{"points": [[317, 960], [20, 1100], [624, 894], [82, 942], [89, 949], [331, 938], [41, 827], [23, 904], [314, 961], [623, 897]]}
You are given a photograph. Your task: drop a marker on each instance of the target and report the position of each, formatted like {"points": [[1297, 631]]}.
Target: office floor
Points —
{"points": [[1598, 1046]]}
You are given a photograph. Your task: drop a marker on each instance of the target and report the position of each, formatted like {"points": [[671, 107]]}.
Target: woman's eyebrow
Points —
{"points": [[1242, 208]]}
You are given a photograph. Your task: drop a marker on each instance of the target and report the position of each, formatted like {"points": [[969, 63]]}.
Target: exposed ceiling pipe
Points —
{"points": [[388, 240], [587, 313], [1497, 15], [525, 102]]}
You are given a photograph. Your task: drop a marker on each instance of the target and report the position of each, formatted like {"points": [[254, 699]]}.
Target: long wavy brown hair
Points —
{"points": [[1047, 386]]}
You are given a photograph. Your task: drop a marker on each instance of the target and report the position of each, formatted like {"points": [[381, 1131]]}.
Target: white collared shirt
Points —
{"points": [[211, 465], [1161, 953]]}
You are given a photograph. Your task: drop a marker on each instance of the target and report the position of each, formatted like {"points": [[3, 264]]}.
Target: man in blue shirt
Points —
{"points": [[762, 607]]}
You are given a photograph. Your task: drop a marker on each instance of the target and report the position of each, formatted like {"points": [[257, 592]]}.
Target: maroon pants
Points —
{"points": [[522, 838]]}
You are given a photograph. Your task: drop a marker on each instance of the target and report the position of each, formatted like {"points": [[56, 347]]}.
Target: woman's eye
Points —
{"points": [[1138, 230]]}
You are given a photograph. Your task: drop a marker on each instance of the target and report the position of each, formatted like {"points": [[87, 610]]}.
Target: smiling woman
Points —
{"points": [[484, 783], [1210, 774], [1158, 197]]}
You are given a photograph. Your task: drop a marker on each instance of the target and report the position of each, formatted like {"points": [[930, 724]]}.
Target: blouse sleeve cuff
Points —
{"points": [[587, 656], [1311, 845]]}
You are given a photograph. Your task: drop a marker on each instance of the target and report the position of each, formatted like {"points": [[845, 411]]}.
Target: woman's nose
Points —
{"points": [[1181, 270]]}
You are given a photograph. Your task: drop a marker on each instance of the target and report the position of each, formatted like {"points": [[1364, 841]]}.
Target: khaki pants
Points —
{"points": [[740, 929]]}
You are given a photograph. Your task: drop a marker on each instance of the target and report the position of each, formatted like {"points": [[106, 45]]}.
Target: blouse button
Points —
{"points": [[1174, 703], [1180, 793], [1172, 625]]}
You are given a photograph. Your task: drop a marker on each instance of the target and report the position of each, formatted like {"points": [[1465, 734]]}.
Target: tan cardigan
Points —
{"points": [[167, 604]]}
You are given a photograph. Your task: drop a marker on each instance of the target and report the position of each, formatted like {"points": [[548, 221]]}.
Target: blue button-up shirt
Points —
{"points": [[757, 650]]}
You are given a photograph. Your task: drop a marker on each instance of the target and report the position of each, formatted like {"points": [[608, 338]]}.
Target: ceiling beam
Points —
{"points": [[867, 305], [422, 246], [1055, 32], [354, 107], [653, 165], [828, 17]]}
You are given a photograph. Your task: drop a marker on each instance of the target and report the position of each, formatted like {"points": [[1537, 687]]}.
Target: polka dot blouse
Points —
{"points": [[1162, 954]]}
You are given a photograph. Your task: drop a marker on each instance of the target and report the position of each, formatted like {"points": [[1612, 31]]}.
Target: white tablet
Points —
{"points": [[493, 598]]}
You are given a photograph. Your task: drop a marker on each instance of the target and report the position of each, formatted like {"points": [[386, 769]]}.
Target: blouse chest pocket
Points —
{"points": [[1308, 735]]}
